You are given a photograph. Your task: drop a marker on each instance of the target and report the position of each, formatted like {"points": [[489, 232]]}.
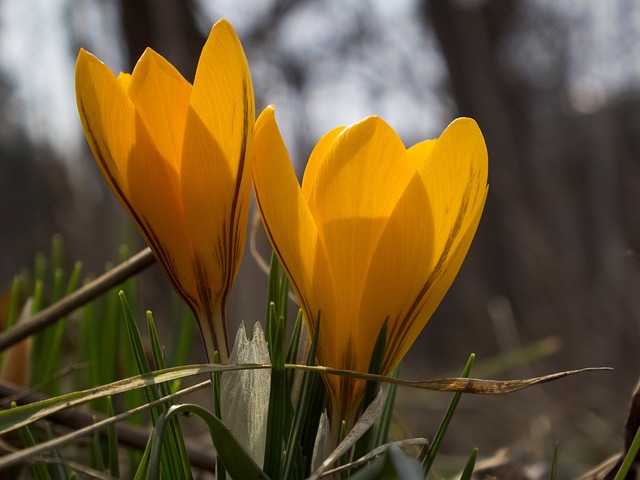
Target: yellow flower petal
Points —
{"points": [[349, 208], [287, 219], [178, 158], [398, 269], [161, 96], [454, 170], [318, 155], [108, 118], [141, 178], [216, 157]]}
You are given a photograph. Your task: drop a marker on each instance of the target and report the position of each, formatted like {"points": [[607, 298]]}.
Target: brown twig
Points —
{"points": [[85, 294]]}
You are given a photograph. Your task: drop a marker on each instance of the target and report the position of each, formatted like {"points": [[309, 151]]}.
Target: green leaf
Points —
{"points": [[279, 419], [112, 443], [467, 473], [38, 470], [554, 464], [629, 458], [365, 444], [302, 412], [235, 459], [437, 439]]}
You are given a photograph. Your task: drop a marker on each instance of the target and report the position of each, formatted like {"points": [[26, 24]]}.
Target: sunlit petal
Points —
{"points": [[365, 160], [216, 156], [318, 155], [161, 96], [178, 158]]}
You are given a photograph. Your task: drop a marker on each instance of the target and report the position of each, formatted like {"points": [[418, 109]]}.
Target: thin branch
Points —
{"points": [[77, 299]]}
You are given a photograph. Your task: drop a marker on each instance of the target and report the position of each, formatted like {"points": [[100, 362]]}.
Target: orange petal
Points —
{"points": [[356, 189], [161, 96], [318, 155], [216, 157], [108, 117], [287, 219]]}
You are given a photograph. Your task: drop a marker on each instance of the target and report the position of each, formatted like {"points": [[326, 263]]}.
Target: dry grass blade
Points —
{"points": [[366, 420], [376, 452], [463, 385]]}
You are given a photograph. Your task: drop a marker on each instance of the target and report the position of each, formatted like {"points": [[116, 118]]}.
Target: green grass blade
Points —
{"points": [[112, 444], [467, 473], [278, 420], [437, 439], [143, 466], [365, 444], [173, 466], [629, 458], [186, 326], [178, 451], [38, 470], [97, 453], [292, 352], [554, 463], [293, 449]]}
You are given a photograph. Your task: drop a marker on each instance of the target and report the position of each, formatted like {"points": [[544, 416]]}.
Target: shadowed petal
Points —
{"points": [[287, 219], [108, 117], [398, 269], [454, 170]]}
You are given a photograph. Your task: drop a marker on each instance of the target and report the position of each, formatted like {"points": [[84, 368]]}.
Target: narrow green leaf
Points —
{"points": [[112, 444], [365, 444], [96, 452], [629, 458], [185, 325], [292, 352], [554, 464], [174, 456], [59, 470], [278, 420], [467, 473], [437, 439], [143, 466], [235, 459], [38, 470], [293, 449]]}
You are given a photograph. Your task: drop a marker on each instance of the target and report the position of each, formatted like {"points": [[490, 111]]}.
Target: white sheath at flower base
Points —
{"points": [[245, 393], [322, 446]]}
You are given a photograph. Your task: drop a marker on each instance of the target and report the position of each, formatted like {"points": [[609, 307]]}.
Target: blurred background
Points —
{"points": [[552, 281]]}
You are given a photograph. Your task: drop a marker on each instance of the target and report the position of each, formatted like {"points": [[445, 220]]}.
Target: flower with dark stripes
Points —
{"points": [[376, 232], [178, 157]]}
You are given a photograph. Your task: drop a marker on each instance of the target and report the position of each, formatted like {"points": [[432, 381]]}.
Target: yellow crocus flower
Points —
{"points": [[178, 157], [375, 232]]}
